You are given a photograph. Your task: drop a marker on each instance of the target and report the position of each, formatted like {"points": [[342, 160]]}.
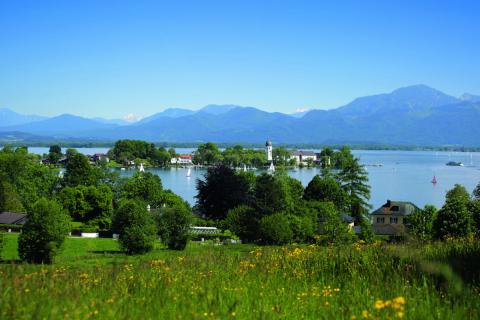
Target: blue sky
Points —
{"points": [[110, 58]]}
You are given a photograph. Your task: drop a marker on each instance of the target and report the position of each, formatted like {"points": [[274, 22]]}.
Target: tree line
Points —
{"points": [[94, 198]]}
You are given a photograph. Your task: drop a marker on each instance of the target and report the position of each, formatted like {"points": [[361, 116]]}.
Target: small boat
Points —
{"points": [[454, 164], [272, 167], [244, 168], [142, 169], [434, 180], [189, 172], [122, 169]]}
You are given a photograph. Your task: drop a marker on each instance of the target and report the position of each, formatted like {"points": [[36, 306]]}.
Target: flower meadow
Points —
{"points": [[93, 279]]}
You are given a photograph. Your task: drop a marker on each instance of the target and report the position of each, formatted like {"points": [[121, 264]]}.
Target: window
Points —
{"points": [[380, 220], [394, 220]]}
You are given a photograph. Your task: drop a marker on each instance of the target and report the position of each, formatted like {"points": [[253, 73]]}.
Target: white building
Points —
{"points": [[183, 159], [303, 156]]}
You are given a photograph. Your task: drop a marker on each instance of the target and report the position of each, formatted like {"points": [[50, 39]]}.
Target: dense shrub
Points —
{"points": [[243, 223], [275, 229], [135, 226], [174, 226], [453, 220], [1, 244], [303, 228], [44, 232], [332, 228]]}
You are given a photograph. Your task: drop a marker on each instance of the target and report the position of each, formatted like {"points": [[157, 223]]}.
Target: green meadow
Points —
{"points": [[92, 278]]}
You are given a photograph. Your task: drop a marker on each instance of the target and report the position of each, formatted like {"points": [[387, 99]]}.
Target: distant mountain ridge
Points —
{"points": [[11, 118], [410, 115]]}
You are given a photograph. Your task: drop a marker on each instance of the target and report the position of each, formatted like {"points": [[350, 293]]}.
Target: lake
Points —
{"points": [[404, 175]]}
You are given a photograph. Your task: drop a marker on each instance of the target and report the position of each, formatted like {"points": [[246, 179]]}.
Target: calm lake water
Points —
{"points": [[404, 175]]}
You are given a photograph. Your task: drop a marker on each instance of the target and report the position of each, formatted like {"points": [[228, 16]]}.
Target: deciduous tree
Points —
{"points": [[44, 232]]}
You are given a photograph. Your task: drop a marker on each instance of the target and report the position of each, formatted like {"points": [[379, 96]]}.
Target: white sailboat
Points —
{"points": [[142, 169], [189, 172], [245, 168], [271, 168]]}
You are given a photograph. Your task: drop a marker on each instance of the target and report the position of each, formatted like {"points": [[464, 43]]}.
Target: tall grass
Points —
{"points": [[92, 279]]}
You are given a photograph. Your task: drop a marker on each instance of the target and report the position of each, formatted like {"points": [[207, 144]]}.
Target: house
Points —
{"points": [[99, 157], [13, 218], [389, 219], [303, 157], [183, 159]]}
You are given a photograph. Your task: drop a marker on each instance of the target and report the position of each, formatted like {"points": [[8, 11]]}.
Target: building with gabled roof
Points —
{"points": [[13, 218], [389, 219]]}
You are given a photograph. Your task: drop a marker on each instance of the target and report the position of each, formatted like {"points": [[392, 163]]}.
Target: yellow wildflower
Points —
{"points": [[379, 304]]}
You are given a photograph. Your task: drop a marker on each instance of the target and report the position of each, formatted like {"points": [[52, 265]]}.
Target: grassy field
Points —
{"points": [[92, 278]]}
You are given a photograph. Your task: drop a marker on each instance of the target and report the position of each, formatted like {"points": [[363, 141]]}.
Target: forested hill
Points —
{"points": [[417, 115]]}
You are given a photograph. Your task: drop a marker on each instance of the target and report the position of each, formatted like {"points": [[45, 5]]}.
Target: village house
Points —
{"points": [[10, 219], [389, 219], [303, 157], [99, 157], [183, 159]]}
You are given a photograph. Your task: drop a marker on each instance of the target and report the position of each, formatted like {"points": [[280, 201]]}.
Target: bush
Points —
{"points": [[1, 245], [12, 227], [303, 228], [44, 232], [242, 222], [174, 226], [275, 229], [135, 226]]}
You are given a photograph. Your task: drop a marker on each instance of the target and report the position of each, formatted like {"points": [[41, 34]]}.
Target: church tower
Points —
{"points": [[269, 149]]}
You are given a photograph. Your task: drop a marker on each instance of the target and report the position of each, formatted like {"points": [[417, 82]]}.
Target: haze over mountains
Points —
{"points": [[412, 115]]}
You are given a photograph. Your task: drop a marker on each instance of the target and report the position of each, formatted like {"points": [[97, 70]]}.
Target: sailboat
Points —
{"points": [[271, 168], [142, 169], [244, 168], [434, 180], [189, 172]]}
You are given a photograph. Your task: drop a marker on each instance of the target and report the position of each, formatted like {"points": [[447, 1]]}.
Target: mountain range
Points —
{"points": [[417, 115]]}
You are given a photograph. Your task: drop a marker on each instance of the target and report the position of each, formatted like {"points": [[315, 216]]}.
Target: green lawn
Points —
{"points": [[92, 278]]}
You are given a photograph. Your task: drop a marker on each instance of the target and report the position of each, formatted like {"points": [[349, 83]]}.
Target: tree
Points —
{"points": [[331, 227], [271, 195], [281, 156], [143, 186], [27, 180], [343, 157], [9, 198], [2, 240], [135, 226], [275, 229], [326, 157], [222, 190], [91, 205], [44, 232], [458, 192], [475, 210], [55, 154], [326, 189], [303, 227], [453, 220], [476, 192], [243, 222], [174, 226], [79, 172], [354, 178], [207, 154], [420, 223]]}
